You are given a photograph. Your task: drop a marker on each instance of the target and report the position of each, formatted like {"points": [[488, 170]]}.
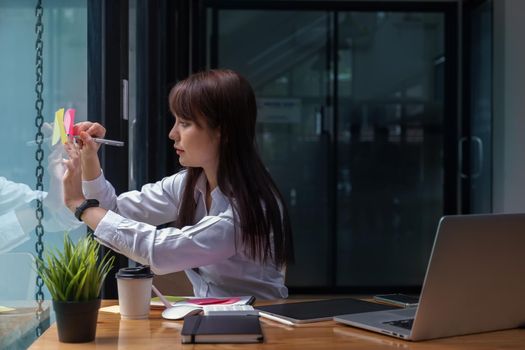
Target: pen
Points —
{"points": [[161, 297], [276, 319], [105, 141], [96, 139]]}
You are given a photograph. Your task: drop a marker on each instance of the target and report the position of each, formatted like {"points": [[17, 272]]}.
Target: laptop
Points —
{"points": [[475, 282]]}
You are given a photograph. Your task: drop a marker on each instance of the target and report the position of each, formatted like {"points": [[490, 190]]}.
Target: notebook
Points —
{"points": [[474, 282], [221, 329], [315, 311]]}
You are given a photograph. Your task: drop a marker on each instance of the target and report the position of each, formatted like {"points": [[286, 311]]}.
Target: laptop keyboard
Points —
{"points": [[406, 324]]}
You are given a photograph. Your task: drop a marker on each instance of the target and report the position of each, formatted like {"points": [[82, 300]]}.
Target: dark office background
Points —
{"points": [[359, 116]]}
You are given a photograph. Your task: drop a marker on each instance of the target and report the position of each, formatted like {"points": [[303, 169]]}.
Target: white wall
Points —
{"points": [[509, 106]]}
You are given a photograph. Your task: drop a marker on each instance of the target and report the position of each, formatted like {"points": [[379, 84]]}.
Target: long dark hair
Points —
{"points": [[226, 101]]}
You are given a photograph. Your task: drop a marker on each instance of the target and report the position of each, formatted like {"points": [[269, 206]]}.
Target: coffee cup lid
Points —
{"points": [[134, 272]]}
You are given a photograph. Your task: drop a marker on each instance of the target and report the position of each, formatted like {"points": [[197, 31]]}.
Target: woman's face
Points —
{"points": [[196, 146]]}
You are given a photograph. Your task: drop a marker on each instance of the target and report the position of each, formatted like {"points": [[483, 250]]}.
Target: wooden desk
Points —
{"points": [[157, 333]]}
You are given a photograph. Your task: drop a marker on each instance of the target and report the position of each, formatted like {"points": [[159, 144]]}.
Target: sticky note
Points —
{"points": [[6, 309], [69, 121], [114, 309], [59, 118], [56, 130], [170, 298], [209, 301]]}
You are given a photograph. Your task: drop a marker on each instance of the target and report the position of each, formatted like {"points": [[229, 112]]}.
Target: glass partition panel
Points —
{"points": [[287, 66], [351, 127], [390, 145], [64, 86]]}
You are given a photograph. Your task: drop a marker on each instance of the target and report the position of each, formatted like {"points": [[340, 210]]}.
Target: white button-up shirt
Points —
{"points": [[210, 252]]}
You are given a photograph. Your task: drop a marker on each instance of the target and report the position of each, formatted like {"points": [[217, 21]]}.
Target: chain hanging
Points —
{"points": [[39, 156]]}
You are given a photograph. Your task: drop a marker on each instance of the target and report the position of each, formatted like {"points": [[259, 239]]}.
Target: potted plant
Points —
{"points": [[74, 278]]}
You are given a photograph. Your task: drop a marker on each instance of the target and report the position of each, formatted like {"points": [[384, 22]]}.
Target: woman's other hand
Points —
{"points": [[56, 169], [73, 195]]}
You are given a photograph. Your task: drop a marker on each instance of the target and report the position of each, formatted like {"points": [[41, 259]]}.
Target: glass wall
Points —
{"points": [[287, 66], [390, 145], [64, 86], [351, 127]]}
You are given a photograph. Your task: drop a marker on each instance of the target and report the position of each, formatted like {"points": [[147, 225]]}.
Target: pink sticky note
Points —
{"points": [[208, 301], [69, 121]]}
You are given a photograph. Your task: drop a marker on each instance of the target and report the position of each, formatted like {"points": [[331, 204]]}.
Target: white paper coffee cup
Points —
{"points": [[134, 292]]}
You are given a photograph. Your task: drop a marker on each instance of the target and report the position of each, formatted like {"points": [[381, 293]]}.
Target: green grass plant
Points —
{"points": [[75, 273]]}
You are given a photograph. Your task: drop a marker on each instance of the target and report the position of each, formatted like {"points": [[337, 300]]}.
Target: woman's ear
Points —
{"points": [[225, 139], [217, 134]]}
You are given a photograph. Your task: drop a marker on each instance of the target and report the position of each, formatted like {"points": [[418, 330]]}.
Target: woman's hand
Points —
{"points": [[73, 195], [86, 131], [89, 148]]}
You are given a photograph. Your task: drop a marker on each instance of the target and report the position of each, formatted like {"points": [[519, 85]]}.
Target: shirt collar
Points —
{"points": [[200, 190], [200, 186]]}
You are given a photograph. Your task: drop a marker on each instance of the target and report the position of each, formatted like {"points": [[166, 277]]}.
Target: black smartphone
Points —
{"points": [[397, 299]]}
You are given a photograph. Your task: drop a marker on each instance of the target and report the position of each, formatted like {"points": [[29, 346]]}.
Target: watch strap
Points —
{"points": [[88, 203]]}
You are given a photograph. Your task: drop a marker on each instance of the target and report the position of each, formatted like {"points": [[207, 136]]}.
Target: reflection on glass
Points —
{"points": [[364, 197], [65, 85], [130, 336], [389, 161], [286, 65], [17, 207]]}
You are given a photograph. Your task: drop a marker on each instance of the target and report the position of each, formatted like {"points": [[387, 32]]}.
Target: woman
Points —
{"points": [[230, 231]]}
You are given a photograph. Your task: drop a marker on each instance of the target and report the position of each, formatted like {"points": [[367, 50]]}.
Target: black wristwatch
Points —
{"points": [[88, 203]]}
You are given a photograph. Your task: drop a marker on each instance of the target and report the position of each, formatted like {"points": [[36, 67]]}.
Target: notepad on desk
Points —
{"points": [[156, 303], [221, 329]]}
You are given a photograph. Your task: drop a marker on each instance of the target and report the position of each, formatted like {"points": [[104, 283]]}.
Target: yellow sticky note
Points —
{"points": [[56, 130], [59, 118], [6, 309]]}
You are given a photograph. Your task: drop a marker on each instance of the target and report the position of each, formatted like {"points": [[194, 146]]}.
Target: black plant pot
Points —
{"points": [[76, 320]]}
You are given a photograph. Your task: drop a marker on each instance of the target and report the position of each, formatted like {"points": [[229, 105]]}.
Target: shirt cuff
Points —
{"points": [[106, 232], [93, 187]]}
